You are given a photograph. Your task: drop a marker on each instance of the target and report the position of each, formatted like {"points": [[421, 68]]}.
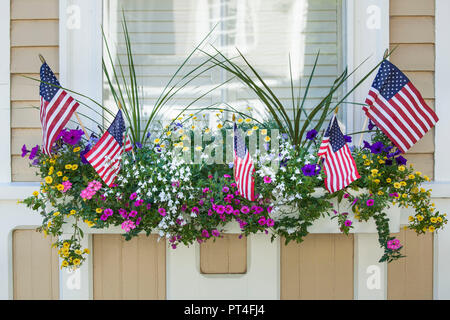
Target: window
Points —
{"points": [[267, 32]]}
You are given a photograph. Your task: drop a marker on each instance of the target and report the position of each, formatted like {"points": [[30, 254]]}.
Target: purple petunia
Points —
{"points": [[72, 137], [33, 152], [311, 169], [205, 233], [311, 134], [133, 196], [401, 160], [371, 125], [215, 233], [377, 147], [348, 139], [24, 151], [366, 145]]}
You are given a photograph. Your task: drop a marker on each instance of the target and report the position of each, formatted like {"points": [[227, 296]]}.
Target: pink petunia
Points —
{"points": [[267, 179]]}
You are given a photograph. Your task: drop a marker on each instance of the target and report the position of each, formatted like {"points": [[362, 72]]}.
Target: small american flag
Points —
{"points": [[128, 145], [243, 168], [397, 107], [105, 156], [57, 107], [339, 165]]}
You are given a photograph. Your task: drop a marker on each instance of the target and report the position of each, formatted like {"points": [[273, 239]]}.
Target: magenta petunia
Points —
{"points": [[205, 233], [133, 213], [162, 212], [245, 209], [348, 223], [215, 233], [267, 179], [262, 221], [270, 222], [195, 210], [225, 189], [370, 202], [133, 196]]}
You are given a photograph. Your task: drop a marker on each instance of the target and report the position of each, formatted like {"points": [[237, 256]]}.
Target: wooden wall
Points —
{"points": [[35, 266], [412, 32], [34, 30], [321, 267], [134, 269]]}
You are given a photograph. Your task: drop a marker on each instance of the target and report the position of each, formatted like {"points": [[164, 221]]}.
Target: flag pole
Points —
{"points": [[334, 116], [385, 55], [41, 57]]}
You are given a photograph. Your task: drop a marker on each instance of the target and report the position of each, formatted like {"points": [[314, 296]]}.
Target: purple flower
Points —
{"points": [[262, 221], [83, 153], [229, 209], [215, 233], [138, 221], [138, 145], [311, 134], [370, 202], [284, 136], [108, 212], [205, 233], [245, 209], [311, 169], [138, 203], [220, 209], [366, 145], [133, 196], [348, 139], [371, 125], [270, 222], [133, 213], [348, 223], [194, 210], [148, 206], [225, 189], [162, 211], [72, 137], [123, 213], [377, 147], [401, 160], [34, 152], [24, 151], [388, 162]]}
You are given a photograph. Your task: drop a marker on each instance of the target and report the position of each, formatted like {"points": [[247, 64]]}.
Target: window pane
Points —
{"points": [[267, 32]]}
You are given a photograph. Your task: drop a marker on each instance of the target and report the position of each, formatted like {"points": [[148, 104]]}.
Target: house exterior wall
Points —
{"points": [[412, 33], [412, 28], [34, 30]]}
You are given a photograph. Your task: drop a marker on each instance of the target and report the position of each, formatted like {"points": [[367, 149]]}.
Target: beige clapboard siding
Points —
{"points": [[321, 267], [34, 30], [35, 266], [412, 277], [134, 269], [227, 254], [412, 32]]}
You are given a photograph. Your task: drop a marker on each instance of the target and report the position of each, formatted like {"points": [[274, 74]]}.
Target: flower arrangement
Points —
{"points": [[185, 192]]}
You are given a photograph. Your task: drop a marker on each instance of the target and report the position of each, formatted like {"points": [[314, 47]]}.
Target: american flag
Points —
{"points": [[397, 107], [57, 107], [105, 156], [128, 145], [243, 167], [339, 165]]}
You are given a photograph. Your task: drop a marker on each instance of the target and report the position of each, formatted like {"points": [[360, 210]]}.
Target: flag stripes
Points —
{"points": [[243, 167]]}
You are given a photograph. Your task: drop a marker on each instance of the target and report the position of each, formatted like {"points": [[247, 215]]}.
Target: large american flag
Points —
{"points": [[128, 145], [57, 107], [339, 165], [397, 107], [243, 167], [105, 156]]}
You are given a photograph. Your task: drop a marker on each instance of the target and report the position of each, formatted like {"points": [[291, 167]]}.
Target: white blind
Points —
{"points": [[164, 32]]}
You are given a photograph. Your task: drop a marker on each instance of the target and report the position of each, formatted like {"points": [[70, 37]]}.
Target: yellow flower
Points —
{"points": [[374, 171], [66, 245], [419, 217], [366, 162], [185, 148], [168, 133], [426, 178], [433, 220], [255, 128], [72, 212], [221, 111], [411, 218], [418, 173], [431, 229], [380, 193], [76, 261], [50, 170], [381, 161], [422, 190], [48, 179], [364, 156], [86, 251], [49, 224], [219, 126], [193, 127], [59, 173], [248, 120], [240, 120], [263, 132], [403, 183], [415, 190], [397, 185], [195, 118], [249, 132], [68, 166], [89, 223], [65, 179], [183, 137], [404, 195], [401, 168], [207, 130], [56, 213], [439, 219], [78, 251], [60, 187], [411, 176], [76, 149], [388, 180], [267, 138], [64, 264], [162, 146], [376, 181], [99, 210], [35, 193], [156, 140], [198, 148]]}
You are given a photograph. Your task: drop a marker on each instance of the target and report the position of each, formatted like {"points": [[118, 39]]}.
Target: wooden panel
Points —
{"points": [[31, 33], [413, 57], [411, 7], [26, 59], [411, 30], [321, 267], [23, 88], [134, 269], [424, 145], [411, 278], [227, 254], [35, 266], [423, 162], [30, 137], [21, 171], [34, 9], [423, 81], [25, 114]]}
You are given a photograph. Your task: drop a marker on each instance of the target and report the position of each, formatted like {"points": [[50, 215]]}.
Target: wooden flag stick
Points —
{"points": [[41, 57], [362, 129], [119, 105]]}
